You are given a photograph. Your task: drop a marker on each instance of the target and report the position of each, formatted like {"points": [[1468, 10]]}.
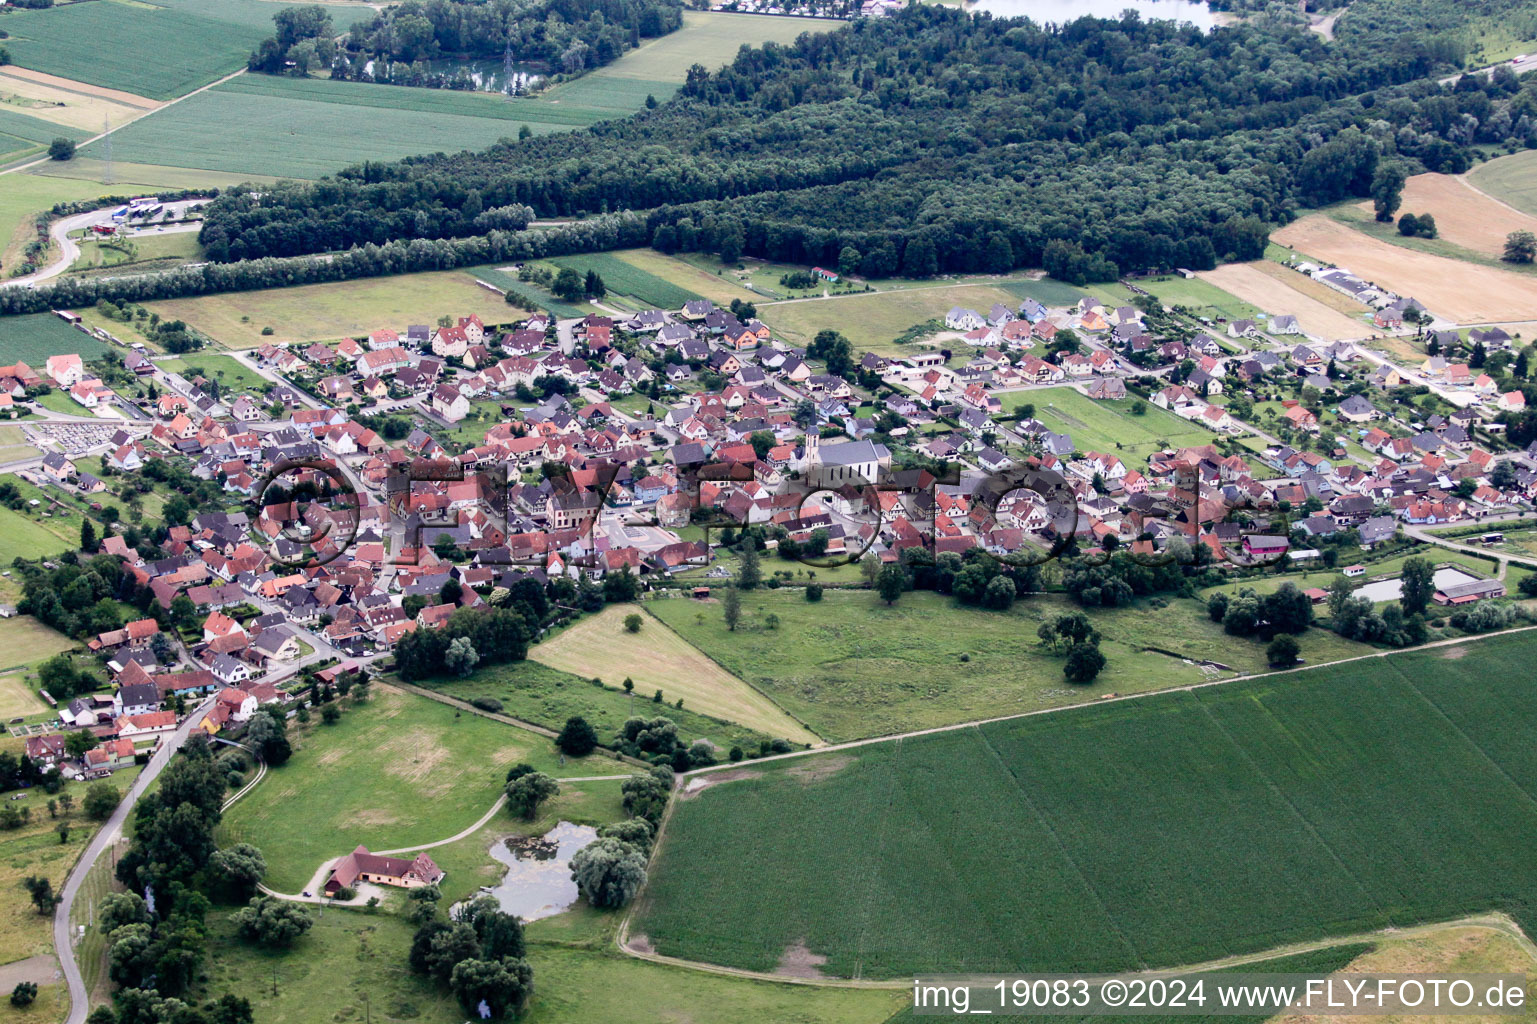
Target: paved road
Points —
{"points": [[69, 249], [1426, 535], [62, 939]]}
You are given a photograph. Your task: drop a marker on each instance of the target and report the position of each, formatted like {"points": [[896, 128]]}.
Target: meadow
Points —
{"points": [[627, 279], [874, 319], [317, 312], [25, 641], [32, 339], [850, 667], [194, 42], [22, 536], [352, 966], [397, 771], [1109, 427], [23, 135], [1174, 829], [547, 696], [1510, 179], [657, 658], [232, 376]]}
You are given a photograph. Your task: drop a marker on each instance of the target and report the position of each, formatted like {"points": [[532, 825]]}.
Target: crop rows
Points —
{"points": [[626, 279], [1169, 830]]}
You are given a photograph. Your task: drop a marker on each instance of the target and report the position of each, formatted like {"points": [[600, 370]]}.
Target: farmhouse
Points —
{"points": [[362, 866]]}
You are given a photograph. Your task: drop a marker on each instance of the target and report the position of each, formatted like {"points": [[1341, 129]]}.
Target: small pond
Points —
{"points": [[538, 879], [490, 75], [1062, 11]]}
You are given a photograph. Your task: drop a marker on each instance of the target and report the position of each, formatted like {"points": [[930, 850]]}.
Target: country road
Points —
{"points": [[63, 941]]}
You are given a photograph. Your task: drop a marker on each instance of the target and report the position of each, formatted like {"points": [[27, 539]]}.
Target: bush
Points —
{"points": [[813, 592], [486, 704], [61, 149], [23, 994], [632, 622]]}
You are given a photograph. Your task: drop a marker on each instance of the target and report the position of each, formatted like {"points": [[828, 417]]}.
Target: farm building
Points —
{"points": [[362, 866]]}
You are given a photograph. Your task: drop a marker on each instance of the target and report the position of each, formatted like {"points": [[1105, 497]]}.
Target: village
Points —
{"points": [[377, 485]]}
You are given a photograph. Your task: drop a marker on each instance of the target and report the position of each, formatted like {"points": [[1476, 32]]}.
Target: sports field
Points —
{"points": [[624, 276], [657, 658], [1110, 427], [399, 770], [872, 320], [850, 667], [1463, 291], [338, 309], [1510, 179], [1168, 830], [160, 50]]}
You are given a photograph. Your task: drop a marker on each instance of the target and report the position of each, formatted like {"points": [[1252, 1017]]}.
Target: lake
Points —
{"points": [[538, 879], [1063, 11]]}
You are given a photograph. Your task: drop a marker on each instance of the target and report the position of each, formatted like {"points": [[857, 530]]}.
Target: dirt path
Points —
{"points": [[42, 969]]}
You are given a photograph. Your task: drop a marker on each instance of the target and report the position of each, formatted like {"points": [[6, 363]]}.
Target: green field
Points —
{"points": [[872, 320], [22, 135], [506, 280], [160, 50], [400, 770], [1047, 291], [624, 278], [320, 312], [849, 667], [231, 375], [1175, 829], [1202, 298], [1510, 179], [547, 696], [352, 966], [306, 128], [1110, 427], [143, 253], [21, 536], [25, 641], [32, 339]]}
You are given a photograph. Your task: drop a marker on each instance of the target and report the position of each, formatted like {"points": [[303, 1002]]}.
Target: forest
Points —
{"points": [[937, 141], [567, 36]]}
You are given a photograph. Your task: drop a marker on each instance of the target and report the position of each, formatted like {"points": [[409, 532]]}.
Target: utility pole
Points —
{"points": [[106, 149]]}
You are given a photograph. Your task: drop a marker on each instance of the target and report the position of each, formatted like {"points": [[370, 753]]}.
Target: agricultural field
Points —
{"points": [[627, 279], [1510, 179], [697, 274], [318, 312], [1199, 296], [70, 104], [546, 696], [32, 339], [657, 658], [872, 320], [506, 278], [1464, 215], [850, 667], [1174, 829], [1462, 291], [1277, 289], [194, 42], [304, 128], [23, 134], [1047, 291], [26, 641], [1109, 426], [397, 771]]}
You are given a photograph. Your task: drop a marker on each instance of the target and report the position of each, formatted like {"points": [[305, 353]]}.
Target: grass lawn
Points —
{"points": [[316, 312], [547, 696], [850, 667], [232, 375], [1169, 830], [18, 696], [144, 253], [872, 320], [26, 641], [399, 770], [352, 965], [21, 536], [659, 659], [1109, 426]]}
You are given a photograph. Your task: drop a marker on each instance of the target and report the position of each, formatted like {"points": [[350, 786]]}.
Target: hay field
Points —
{"points": [[1464, 215], [659, 659], [1272, 291], [1464, 292]]}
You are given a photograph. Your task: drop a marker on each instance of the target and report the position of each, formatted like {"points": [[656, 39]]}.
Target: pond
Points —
{"points": [[1062, 11], [538, 879], [490, 75]]}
